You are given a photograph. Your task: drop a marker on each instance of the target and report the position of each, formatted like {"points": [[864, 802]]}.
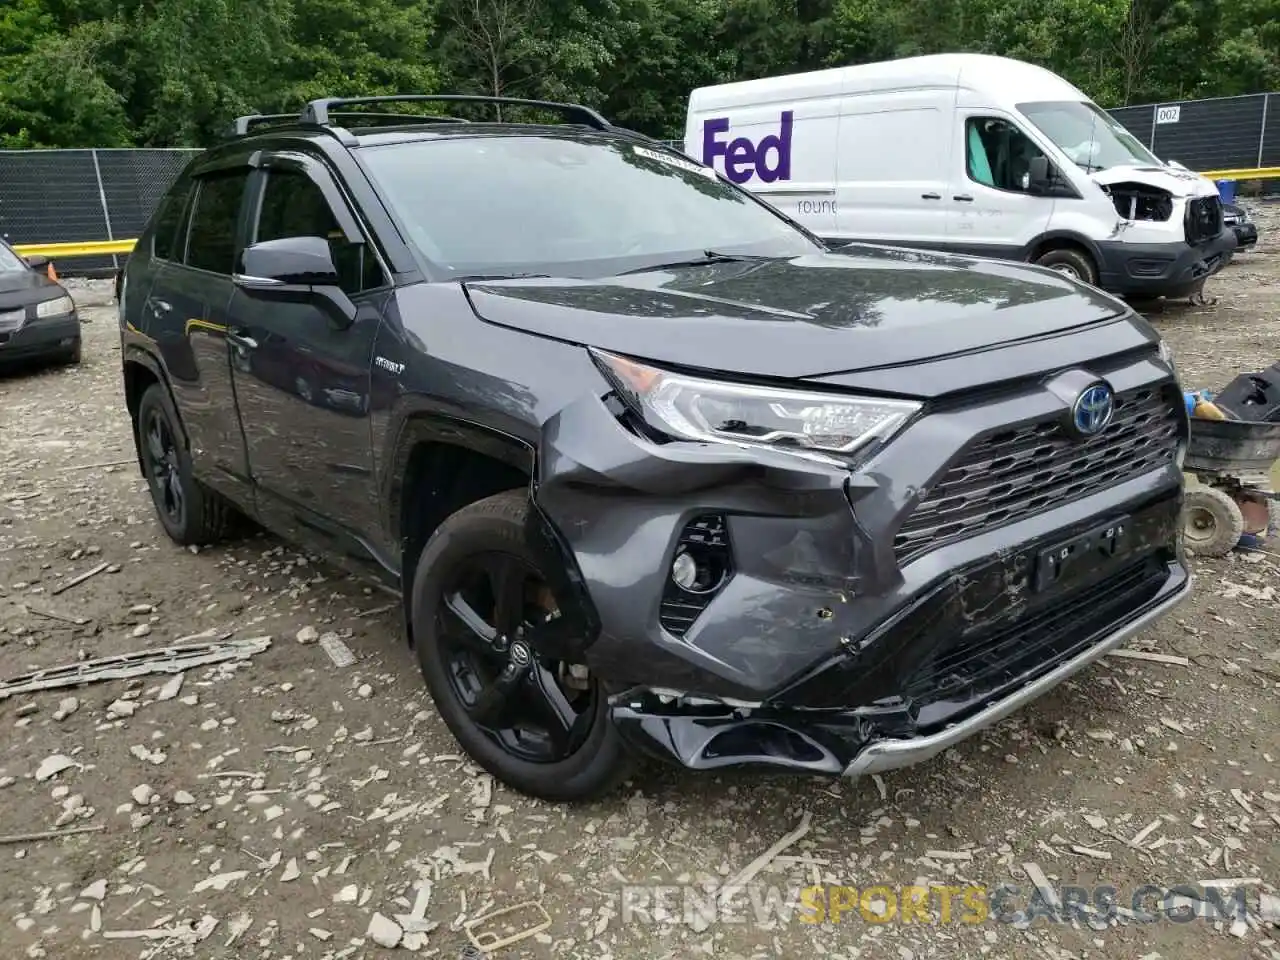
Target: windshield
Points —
{"points": [[1086, 134], [10, 261], [580, 207]]}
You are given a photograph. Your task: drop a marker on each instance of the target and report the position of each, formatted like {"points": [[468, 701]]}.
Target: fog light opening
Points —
{"points": [[696, 574]]}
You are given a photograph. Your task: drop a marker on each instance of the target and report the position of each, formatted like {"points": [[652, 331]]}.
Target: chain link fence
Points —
{"points": [[56, 196], [77, 196]]}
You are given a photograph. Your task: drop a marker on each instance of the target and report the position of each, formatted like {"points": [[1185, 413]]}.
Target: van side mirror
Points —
{"points": [[295, 268]]}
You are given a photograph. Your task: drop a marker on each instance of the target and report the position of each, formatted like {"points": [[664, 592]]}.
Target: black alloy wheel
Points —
{"points": [[484, 616], [160, 451]]}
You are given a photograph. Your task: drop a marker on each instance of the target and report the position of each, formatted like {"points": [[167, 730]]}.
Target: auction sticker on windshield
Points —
{"points": [[673, 161]]}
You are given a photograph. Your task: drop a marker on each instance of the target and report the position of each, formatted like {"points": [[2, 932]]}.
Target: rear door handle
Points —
{"points": [[963, 198], [930, 196], [241, 341]]}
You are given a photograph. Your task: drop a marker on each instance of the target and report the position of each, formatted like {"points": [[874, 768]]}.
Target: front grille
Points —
{"points": [[1013, 474], [1204, 219], [984, 663]]}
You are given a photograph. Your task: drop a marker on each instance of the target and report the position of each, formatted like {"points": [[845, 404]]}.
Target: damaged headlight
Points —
{"points": [[824, 426]]}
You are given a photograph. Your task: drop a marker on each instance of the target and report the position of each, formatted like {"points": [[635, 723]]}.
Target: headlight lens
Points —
{"points": [[55, 308], [829, 427]]}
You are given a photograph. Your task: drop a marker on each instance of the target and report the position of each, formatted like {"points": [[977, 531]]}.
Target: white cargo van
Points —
{"points": [[966, 153]]}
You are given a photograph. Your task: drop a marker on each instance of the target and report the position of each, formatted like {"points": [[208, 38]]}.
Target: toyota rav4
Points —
{"points": [[653, 470]]}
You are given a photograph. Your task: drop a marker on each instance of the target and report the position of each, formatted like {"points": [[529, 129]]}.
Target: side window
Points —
{"points": [[170, 219], [211, 242], [293, 206], [998, 154]]}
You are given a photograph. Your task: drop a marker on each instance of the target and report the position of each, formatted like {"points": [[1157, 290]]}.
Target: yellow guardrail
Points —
{"points": [[93, 248], [1245, 173]]}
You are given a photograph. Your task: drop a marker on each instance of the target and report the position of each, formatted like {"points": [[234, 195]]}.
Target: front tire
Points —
{"points": [[190, 514], [1074, 263], [479, 599]]}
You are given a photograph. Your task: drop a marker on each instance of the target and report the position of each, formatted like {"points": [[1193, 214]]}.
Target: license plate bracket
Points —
{"points": [[1104, 542]]}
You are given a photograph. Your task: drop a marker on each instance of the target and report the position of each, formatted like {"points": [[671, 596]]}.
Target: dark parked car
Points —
{"points": [[37, 316], [1237, 218], [654, 470]]}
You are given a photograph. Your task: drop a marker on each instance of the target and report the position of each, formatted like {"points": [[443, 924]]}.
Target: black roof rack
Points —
{"points": [[243, 125], [318, 111]]}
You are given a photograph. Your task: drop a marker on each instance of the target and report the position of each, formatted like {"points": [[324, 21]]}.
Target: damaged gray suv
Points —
{"points": [[653, 469]]}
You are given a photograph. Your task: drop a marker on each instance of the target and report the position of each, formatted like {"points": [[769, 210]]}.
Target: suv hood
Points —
{"points": [[1180, 183], [855, 309]]}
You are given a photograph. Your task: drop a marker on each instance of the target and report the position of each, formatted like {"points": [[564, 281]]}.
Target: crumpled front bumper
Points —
{"points": [[827, 651]]}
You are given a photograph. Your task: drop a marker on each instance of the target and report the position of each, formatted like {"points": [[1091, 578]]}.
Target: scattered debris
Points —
{"points": [[490, 941], [54, 765], [339, 653], [1150, 657], [384, 931], [77, 580], [158, 660], [49, 834]]}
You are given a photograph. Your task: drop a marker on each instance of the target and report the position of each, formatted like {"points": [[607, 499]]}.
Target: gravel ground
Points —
{"points": [[279, 806]]}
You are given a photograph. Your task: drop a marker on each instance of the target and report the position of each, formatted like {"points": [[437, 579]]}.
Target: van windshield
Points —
{"points": [[1087, 134], [580, 206]]}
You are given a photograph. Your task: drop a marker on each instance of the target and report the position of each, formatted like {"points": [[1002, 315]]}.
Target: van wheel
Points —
{"points": [[1074, 263], [479, 600]]}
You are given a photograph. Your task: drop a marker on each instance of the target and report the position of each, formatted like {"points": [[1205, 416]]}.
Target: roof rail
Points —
{"points": [[318, 111], [243, 125]]}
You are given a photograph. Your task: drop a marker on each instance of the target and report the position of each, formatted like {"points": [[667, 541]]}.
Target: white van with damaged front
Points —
{"points": [[971, 154]]}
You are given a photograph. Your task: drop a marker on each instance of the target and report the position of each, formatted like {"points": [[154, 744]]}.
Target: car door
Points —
{"points": [[991, 212], [187, 313], [302, 377]]}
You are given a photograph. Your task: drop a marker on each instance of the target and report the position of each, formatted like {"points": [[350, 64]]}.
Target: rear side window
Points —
{"points": [[293, 206], [211, 243], [166, 239]]}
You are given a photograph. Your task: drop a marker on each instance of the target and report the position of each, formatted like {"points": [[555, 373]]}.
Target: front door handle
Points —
{"points": [[963, 198], [241, 341], [930, 196]]}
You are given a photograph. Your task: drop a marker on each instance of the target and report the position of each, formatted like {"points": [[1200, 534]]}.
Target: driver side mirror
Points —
{"points": [[1039, 179], [36, 262], [295, 268]]}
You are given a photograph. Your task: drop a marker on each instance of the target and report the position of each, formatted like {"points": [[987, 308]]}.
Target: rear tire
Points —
{"points": [[586, 760], [191, 514], [1074, 263], [1212, 523]]}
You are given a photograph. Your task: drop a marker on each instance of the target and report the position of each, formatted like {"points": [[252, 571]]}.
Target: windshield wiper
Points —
{"points": [[478, 277], [708, 257]]}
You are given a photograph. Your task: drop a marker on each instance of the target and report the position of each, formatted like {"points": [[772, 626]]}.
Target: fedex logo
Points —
{"points": [[742, 158]]}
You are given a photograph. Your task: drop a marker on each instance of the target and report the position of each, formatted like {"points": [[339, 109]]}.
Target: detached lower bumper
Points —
{"points": [[918, 722], [1161, 269]]}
